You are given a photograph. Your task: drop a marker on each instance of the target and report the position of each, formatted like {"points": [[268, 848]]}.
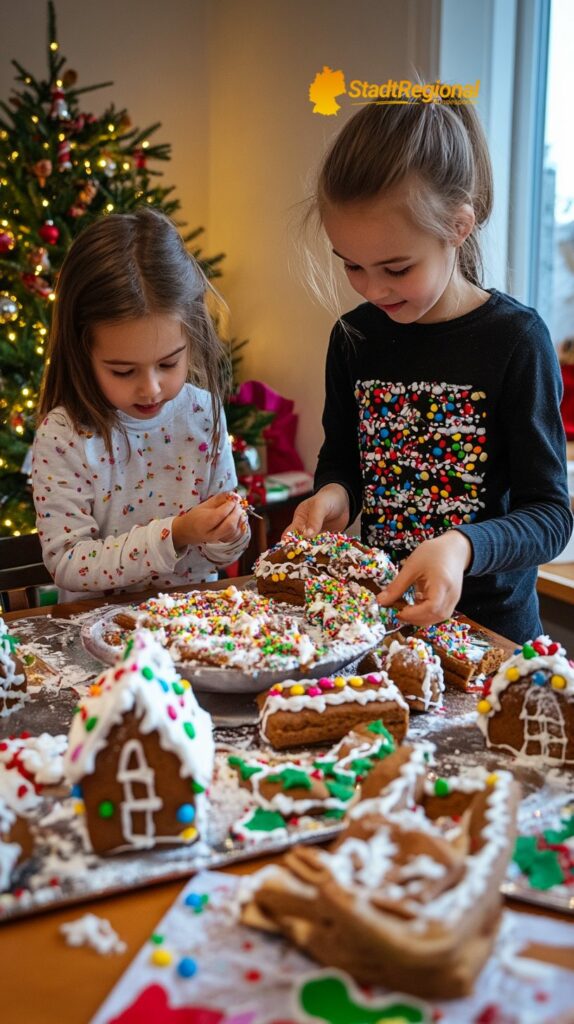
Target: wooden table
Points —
{"points": [[44, 981]]}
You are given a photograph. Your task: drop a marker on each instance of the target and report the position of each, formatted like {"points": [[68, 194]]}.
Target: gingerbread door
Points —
{"points": [[140, 801], [544, 728]]}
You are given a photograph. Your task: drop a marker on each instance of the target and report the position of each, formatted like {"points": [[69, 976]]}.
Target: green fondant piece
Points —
{"points": [[524, 852], [328, 999], [561, 835], [245, 770], [340, 791], [291, 778], [325, 766], [197, 787], [441, 787], [379, 730], [190, 729], [546, 871], [362, 765], [264, 821], [334, 812]]}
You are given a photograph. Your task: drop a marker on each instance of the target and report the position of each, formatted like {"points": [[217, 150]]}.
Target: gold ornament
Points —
{"points": [[9, 308]]}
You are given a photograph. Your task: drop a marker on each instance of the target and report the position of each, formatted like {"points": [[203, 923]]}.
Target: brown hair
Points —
{"points": [[122, 267], [441, 148]]}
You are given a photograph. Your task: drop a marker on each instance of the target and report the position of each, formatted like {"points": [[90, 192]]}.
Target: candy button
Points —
{"points": [[186, 967], [441, 787], [185, 814], [189, 834], [161, 958], [512, 674], [326, 684], [356, 682], [528, 651], [373, 679], [275, 578], [558, 682], [314, 691], [297, 690], [538, 678], [483, 707], [492, 779], [340, 682]]}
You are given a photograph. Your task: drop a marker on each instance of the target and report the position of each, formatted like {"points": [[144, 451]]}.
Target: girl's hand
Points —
{"points": [[436, 570], [328, 509], [220, 518]]}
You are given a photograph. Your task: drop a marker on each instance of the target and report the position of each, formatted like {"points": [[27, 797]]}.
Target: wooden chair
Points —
{"points": [[21, 570]]}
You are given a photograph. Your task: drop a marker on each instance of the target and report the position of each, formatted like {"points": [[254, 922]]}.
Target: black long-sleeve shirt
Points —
{"points": [[431, 427]]}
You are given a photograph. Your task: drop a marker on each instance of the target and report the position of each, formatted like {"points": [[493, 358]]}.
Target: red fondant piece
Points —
{"points": [[152, 1005]]}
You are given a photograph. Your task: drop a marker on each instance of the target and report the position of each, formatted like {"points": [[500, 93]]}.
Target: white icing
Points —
{"points": [[95, 932], [9, 854], [158, 708], [12, 683], [41, 756]]}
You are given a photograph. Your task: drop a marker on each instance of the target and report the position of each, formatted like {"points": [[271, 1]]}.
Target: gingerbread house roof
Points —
{"points": [[540, 662], [347, 558], [145, 682]]}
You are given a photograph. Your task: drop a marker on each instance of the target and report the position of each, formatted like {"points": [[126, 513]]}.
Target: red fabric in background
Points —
{"points": [[567, 407], [282, 455]]}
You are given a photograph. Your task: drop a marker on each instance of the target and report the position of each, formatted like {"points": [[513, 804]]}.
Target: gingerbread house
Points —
{"points": [[140, 754], [12, 675], [527, 707]]}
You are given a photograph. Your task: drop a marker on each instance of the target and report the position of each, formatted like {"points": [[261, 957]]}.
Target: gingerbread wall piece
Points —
{"points": [[141, 753], [417, 672], [527, 706], [294, 714], [399, 899], [12, 674], [465, 652]]}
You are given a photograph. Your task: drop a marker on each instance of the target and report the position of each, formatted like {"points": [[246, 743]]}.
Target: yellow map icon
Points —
{"points": [[326, 85]]}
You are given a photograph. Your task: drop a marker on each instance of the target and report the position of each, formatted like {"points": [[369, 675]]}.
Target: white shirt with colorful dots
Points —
{"points": [[105, 522]]}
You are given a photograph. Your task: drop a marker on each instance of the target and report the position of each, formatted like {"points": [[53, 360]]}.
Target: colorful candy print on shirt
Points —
{"points": [[423, 456]]}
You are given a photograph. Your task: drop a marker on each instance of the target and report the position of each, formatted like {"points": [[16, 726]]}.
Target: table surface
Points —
{"points": [[44, 981]]}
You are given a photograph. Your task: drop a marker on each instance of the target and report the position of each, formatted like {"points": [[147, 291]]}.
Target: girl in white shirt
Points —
{"points": [[133, 473]]}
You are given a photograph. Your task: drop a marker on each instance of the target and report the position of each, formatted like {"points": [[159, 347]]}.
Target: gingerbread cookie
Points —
{"points": [[294, 714], [417, 672], [465, 652]]}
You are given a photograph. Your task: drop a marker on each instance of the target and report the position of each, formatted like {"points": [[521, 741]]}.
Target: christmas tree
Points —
{"points": [[60, 169]]}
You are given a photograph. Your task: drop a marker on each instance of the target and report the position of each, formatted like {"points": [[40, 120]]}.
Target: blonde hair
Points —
{"points": [[123, 267], [440, 148]]}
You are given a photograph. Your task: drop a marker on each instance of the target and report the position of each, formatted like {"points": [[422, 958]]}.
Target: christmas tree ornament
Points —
{"points": [[88, 191], [7, 241], [17, 421], [42, 169], [9, 308], [59, 107], [140, 158], [69, 78], [49, 233], [36, 284], [77, 210], [64, 155], [110, 166], [38, 258]]}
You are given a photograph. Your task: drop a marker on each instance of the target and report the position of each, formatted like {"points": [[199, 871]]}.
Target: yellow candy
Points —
{"points": [[297, 690], [278, 686], [290, 554], [483, 707], [356, 681], [558, 682], [186, 684], [492, 779], [95, 690], [161, 958], [282, 575], [512, 674], [339, 682], [275, 578], [189, 834], [80, 807]]}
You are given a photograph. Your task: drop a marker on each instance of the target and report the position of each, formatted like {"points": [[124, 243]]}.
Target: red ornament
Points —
{"points": [[49, 233], [39, 285], [140, 159], [7, 241]]}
